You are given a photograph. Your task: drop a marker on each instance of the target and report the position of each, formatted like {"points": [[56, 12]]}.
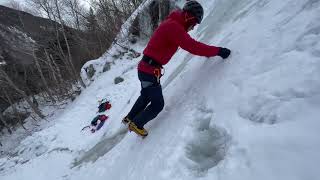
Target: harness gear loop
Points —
{"points": [[157, 73]]}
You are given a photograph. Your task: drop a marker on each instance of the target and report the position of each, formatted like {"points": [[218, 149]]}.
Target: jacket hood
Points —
{"points": [[178, 16]]}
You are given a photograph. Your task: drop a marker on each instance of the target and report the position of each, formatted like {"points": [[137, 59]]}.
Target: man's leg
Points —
{"points": [[157, 103], [140, 104]]}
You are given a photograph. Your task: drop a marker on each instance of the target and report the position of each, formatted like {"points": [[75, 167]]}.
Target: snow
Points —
{"points": [[252, 116]]}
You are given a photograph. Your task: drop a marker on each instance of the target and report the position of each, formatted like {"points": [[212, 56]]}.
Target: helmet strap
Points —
{"points": [[188, 17], [190, 21]]}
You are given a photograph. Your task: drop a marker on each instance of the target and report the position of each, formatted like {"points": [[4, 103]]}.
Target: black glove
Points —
{"points": [[224, 52]]}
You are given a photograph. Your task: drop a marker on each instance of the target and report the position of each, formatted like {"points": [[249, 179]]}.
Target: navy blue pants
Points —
{"points": [[150, 102]]}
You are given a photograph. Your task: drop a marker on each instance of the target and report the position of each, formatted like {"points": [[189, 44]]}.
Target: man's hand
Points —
{"points": [[224, 52]]}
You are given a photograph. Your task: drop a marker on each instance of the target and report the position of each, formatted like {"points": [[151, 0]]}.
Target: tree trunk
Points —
{"points": [[56, 72], [55, 67], [68, 47], [51, 68], [164, 7], [44, 81]]}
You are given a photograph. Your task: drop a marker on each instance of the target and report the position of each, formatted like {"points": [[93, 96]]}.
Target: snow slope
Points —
{"points": [[253, 116]]}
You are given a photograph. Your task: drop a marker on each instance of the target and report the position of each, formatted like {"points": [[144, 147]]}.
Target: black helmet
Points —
{"points": [[195, 9]]}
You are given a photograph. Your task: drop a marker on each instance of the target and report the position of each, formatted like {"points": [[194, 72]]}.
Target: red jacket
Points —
{"points": [[171, 34]]}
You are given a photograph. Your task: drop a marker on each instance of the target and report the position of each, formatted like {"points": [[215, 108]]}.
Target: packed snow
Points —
{"points": [[251, 116]]}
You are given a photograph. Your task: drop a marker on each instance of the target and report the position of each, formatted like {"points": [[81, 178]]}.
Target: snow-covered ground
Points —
{"points": [[252, 116]]}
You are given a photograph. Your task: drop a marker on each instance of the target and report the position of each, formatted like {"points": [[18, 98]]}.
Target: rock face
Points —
{"points": [[16, 46], [118, 80], [22, 35], [148, 20]]}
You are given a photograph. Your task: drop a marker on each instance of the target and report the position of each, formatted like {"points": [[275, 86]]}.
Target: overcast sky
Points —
{"points": [[2, 2], [6, 1]]}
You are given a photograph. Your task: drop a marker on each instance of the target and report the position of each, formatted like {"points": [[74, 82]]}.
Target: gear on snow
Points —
{"points": [[96, 123], [99, 120], [104, 105]]}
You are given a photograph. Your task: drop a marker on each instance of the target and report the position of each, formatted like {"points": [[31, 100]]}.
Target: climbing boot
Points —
{"points": [[140, 131], [126, 120]]}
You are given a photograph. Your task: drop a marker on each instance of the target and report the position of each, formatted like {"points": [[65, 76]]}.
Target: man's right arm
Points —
{"points": [[186, 42]]}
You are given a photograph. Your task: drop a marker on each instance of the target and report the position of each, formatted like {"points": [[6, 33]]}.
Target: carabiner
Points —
{"points": [[157, 73]]}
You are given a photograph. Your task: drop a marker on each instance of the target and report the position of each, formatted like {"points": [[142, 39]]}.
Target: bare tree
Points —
{"points": [[67, 44], [43, 79], [136, 3], [44, 7], [55, 10], [164, 8], [14, 108], [76, 12], [7, 79], [2, 120], [15, 5]]}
